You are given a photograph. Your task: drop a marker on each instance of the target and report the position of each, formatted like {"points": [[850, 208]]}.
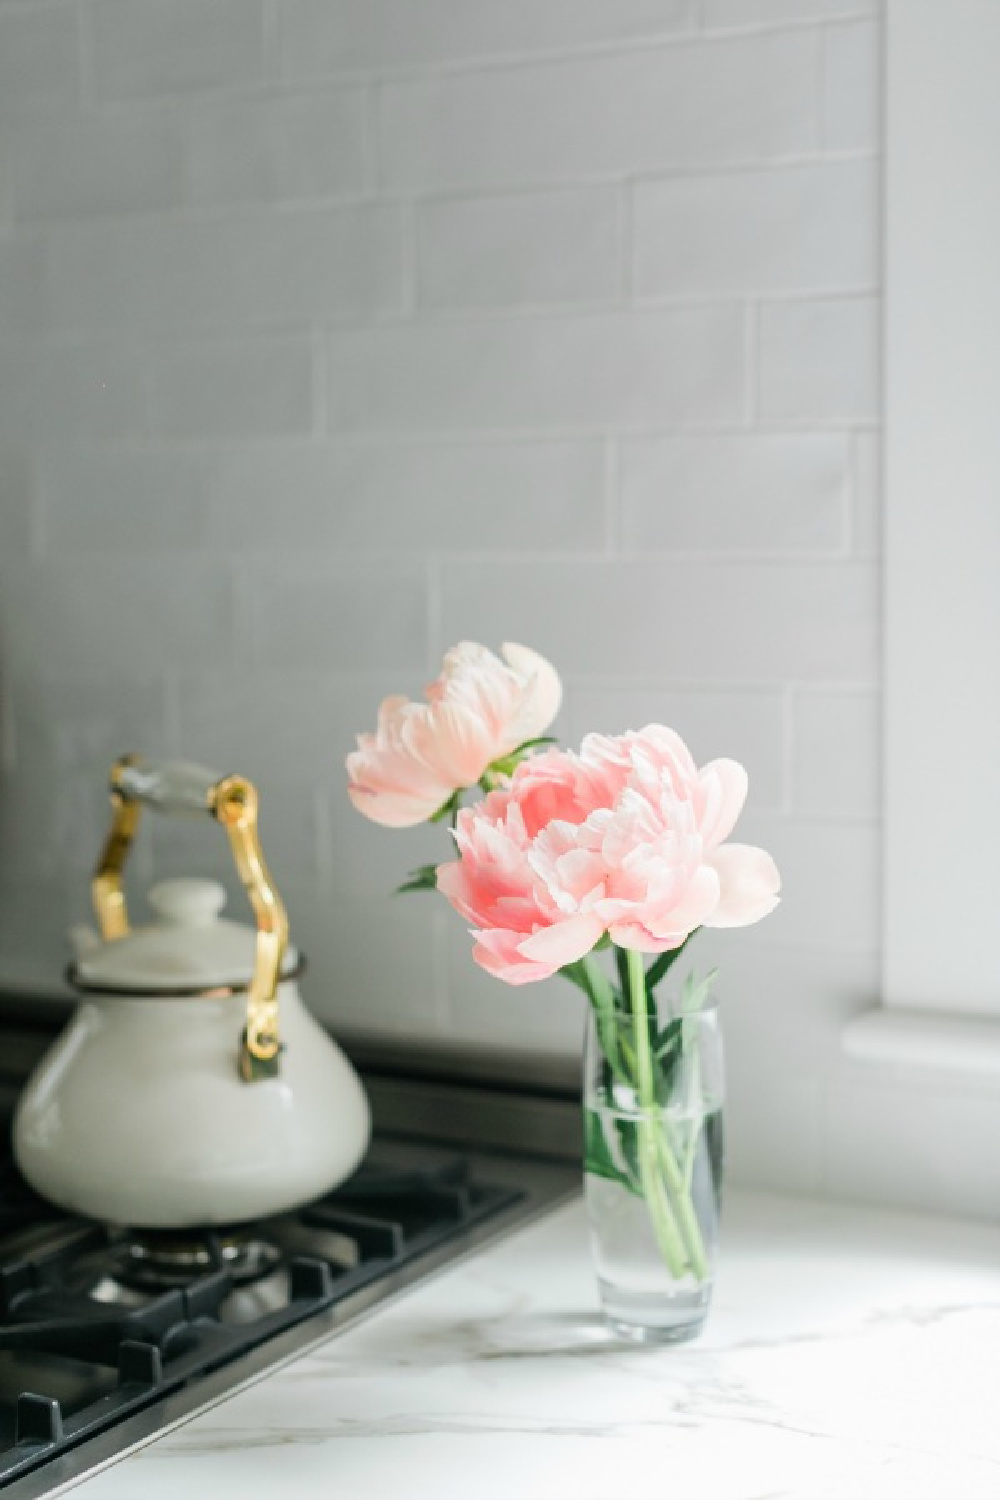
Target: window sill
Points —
{"points": [[965, 1047]]}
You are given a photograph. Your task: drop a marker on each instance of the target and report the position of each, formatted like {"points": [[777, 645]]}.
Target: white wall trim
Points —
{"points": [[942, 543], [947, 1045]]}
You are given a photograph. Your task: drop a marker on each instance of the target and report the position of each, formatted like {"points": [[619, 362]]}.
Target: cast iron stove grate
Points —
{"points": [[92, 1329]]}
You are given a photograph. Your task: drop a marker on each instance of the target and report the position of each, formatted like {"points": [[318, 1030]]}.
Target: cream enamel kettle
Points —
{"points": [[191, 1087]]}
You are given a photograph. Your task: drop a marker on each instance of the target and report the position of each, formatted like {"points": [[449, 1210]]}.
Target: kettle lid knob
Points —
{"points": [[187, 902]]}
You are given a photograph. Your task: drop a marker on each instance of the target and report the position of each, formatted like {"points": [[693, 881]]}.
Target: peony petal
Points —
{"points": [[498, 952], [724, 791], [393, 809], [541, 701], [749, 882], [563, 942], [460, 745]]}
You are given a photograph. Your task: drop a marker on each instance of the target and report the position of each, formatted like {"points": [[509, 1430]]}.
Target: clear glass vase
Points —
{"points": [[652, 1100]]}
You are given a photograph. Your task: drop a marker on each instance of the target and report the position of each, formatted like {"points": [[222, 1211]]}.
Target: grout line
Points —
{"points": [[613, 518], [442, 1010], [850, 522], [788, 748], [822, 123], [435, 615], [324, 841], [370, 194], [86, 59], [270, 55], [321, 384], [752, 363], [171, 707], [410, 308], [372, 145], [625, 228]]}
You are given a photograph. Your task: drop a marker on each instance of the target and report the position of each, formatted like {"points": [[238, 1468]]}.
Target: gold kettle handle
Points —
{"points": [[178, 788]]}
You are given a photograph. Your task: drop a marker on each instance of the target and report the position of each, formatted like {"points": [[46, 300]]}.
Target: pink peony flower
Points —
{"points": [[627, 838], [477, 711]]}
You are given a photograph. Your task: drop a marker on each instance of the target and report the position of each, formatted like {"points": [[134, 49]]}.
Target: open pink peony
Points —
{"points": [[478, 711], [626, 838]]}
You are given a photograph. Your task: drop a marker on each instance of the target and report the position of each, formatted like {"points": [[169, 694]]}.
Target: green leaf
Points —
{"points": [[660, 966], [621, 964], [422, 879], [627, 1131], [668, 1049], [506, 765], [598, 1158], [694, 993], [540, 739], [447, 809], [577, 975]]}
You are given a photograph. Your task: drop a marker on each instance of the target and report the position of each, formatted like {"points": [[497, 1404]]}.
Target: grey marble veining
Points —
{"points": [[850, 1353]]}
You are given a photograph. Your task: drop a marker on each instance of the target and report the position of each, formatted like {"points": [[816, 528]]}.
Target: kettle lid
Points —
{"points": [[189, 949]]}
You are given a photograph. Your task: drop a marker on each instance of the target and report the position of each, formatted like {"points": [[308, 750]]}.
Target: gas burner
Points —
{"points": [[154, 1260]]}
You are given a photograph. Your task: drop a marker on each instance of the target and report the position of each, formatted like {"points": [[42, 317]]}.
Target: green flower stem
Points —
{"points": [[603, 1000], [668, 1196]]}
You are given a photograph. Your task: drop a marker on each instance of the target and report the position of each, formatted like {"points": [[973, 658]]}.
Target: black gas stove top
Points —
{"points": [[97, 1324], [110, 1337]]}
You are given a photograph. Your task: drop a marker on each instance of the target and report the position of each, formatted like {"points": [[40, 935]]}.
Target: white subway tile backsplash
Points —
{"points": [[252, 269], [530, 1018], [521, 248], [330, 615], [321, 350], [852, 87], [615, 369], [273, 149], [148, 47], [790, 229], [681, 106], [737, 13], [778, 1146], [316, 37], [126, 501], [837, 754], [819, 361], [260, 389], [688, 621], [34, 916], [831, 882], [20, 285], [782, 1002], [371, 961], [366, 497], [735, 492], [54, 812], [18, 498], [745, 726], [39, 57], [91, 617], [867, 508], [68, 167], [244, 718], [371, 861], [80, 391], [898, 1146]]}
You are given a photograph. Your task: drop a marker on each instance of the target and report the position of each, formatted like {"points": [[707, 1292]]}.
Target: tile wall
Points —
{"points": [[332, 331]]}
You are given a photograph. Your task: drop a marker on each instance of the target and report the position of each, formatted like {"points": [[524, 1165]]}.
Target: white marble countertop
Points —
{"points": [[849, 1353]]}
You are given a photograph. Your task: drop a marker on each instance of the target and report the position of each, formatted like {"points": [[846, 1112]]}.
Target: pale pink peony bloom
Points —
{"points": [[478, 710], [627, 838]]}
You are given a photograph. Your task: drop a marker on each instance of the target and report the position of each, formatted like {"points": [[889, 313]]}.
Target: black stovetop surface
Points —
{"points": [[95, 1324]]}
